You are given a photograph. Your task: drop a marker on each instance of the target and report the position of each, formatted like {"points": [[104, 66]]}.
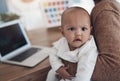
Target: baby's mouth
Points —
{"points": [[77, 40]]}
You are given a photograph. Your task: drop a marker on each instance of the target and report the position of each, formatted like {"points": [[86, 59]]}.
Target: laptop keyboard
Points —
{"points": [[21, 57]]}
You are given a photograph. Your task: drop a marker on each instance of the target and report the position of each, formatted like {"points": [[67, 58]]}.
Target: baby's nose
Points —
{"points": [[78, 32]]}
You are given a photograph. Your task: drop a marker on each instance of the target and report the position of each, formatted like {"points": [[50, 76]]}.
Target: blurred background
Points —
{"points": [[39, 13]]}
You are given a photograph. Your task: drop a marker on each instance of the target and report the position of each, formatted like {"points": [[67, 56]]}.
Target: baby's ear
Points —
{"points": [[61, 30]]}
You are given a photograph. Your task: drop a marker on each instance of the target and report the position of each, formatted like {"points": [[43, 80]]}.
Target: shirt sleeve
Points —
{"points": [[107, 36], [55, 62]]}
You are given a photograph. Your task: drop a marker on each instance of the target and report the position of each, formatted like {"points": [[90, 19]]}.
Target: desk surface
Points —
{"points": [[44, 37]]}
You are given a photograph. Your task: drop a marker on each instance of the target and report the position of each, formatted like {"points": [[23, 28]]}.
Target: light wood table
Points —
{"points": [[44, 37]]}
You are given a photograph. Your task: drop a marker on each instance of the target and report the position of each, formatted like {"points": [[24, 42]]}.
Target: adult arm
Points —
{"points": [[107, 35]]}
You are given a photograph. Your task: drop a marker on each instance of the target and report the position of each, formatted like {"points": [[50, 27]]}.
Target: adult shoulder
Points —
{"points": [[105, 5]]}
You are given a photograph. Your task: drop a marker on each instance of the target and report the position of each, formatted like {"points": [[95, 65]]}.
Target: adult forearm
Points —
{"points": [[106, 69], [107, 36]]}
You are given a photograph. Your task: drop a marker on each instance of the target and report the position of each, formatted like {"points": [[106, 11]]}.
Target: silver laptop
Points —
{"points": [[15, 47]]}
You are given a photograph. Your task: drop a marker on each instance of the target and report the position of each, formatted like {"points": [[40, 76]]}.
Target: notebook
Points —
{"points": [[15, 46]]}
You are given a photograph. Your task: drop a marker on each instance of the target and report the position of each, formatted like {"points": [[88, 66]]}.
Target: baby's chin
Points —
{"points": [[76, 46]]}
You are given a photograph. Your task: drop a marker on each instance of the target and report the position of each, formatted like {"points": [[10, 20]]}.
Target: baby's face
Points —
{"points": [[76, 28]]}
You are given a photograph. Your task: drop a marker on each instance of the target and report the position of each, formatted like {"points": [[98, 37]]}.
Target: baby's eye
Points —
{"points": [[84, 28], [71, 28]]}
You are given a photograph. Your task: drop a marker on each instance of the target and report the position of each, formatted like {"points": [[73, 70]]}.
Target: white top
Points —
{"points": [[85, 56]]}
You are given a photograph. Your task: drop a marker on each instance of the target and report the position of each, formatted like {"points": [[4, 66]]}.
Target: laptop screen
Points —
{"points": [[11, 38]]}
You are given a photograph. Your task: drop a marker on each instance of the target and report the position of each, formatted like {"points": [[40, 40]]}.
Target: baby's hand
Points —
{"points": [[62, 72]]}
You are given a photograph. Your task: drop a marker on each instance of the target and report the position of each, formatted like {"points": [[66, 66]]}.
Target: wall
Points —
{"points": [[31, 14], [3, 6], [87, 4]]}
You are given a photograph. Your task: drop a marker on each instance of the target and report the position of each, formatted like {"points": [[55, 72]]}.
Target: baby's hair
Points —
{"points": [[75, 8], [72, 9]]}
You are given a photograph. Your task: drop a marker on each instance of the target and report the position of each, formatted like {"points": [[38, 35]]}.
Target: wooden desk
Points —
{"points": [[43, 37]]}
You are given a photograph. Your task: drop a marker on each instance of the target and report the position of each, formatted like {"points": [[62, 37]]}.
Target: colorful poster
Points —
{"points": [[52, 10]]}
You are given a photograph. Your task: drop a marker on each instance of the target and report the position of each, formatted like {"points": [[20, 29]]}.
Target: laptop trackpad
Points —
{"points": [[21, 57]]}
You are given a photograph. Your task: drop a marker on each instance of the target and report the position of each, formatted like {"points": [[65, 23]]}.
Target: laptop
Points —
{"points": [[15, 46]]}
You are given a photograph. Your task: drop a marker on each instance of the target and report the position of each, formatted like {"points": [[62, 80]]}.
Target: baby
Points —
{"points": [[75, 54]]}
